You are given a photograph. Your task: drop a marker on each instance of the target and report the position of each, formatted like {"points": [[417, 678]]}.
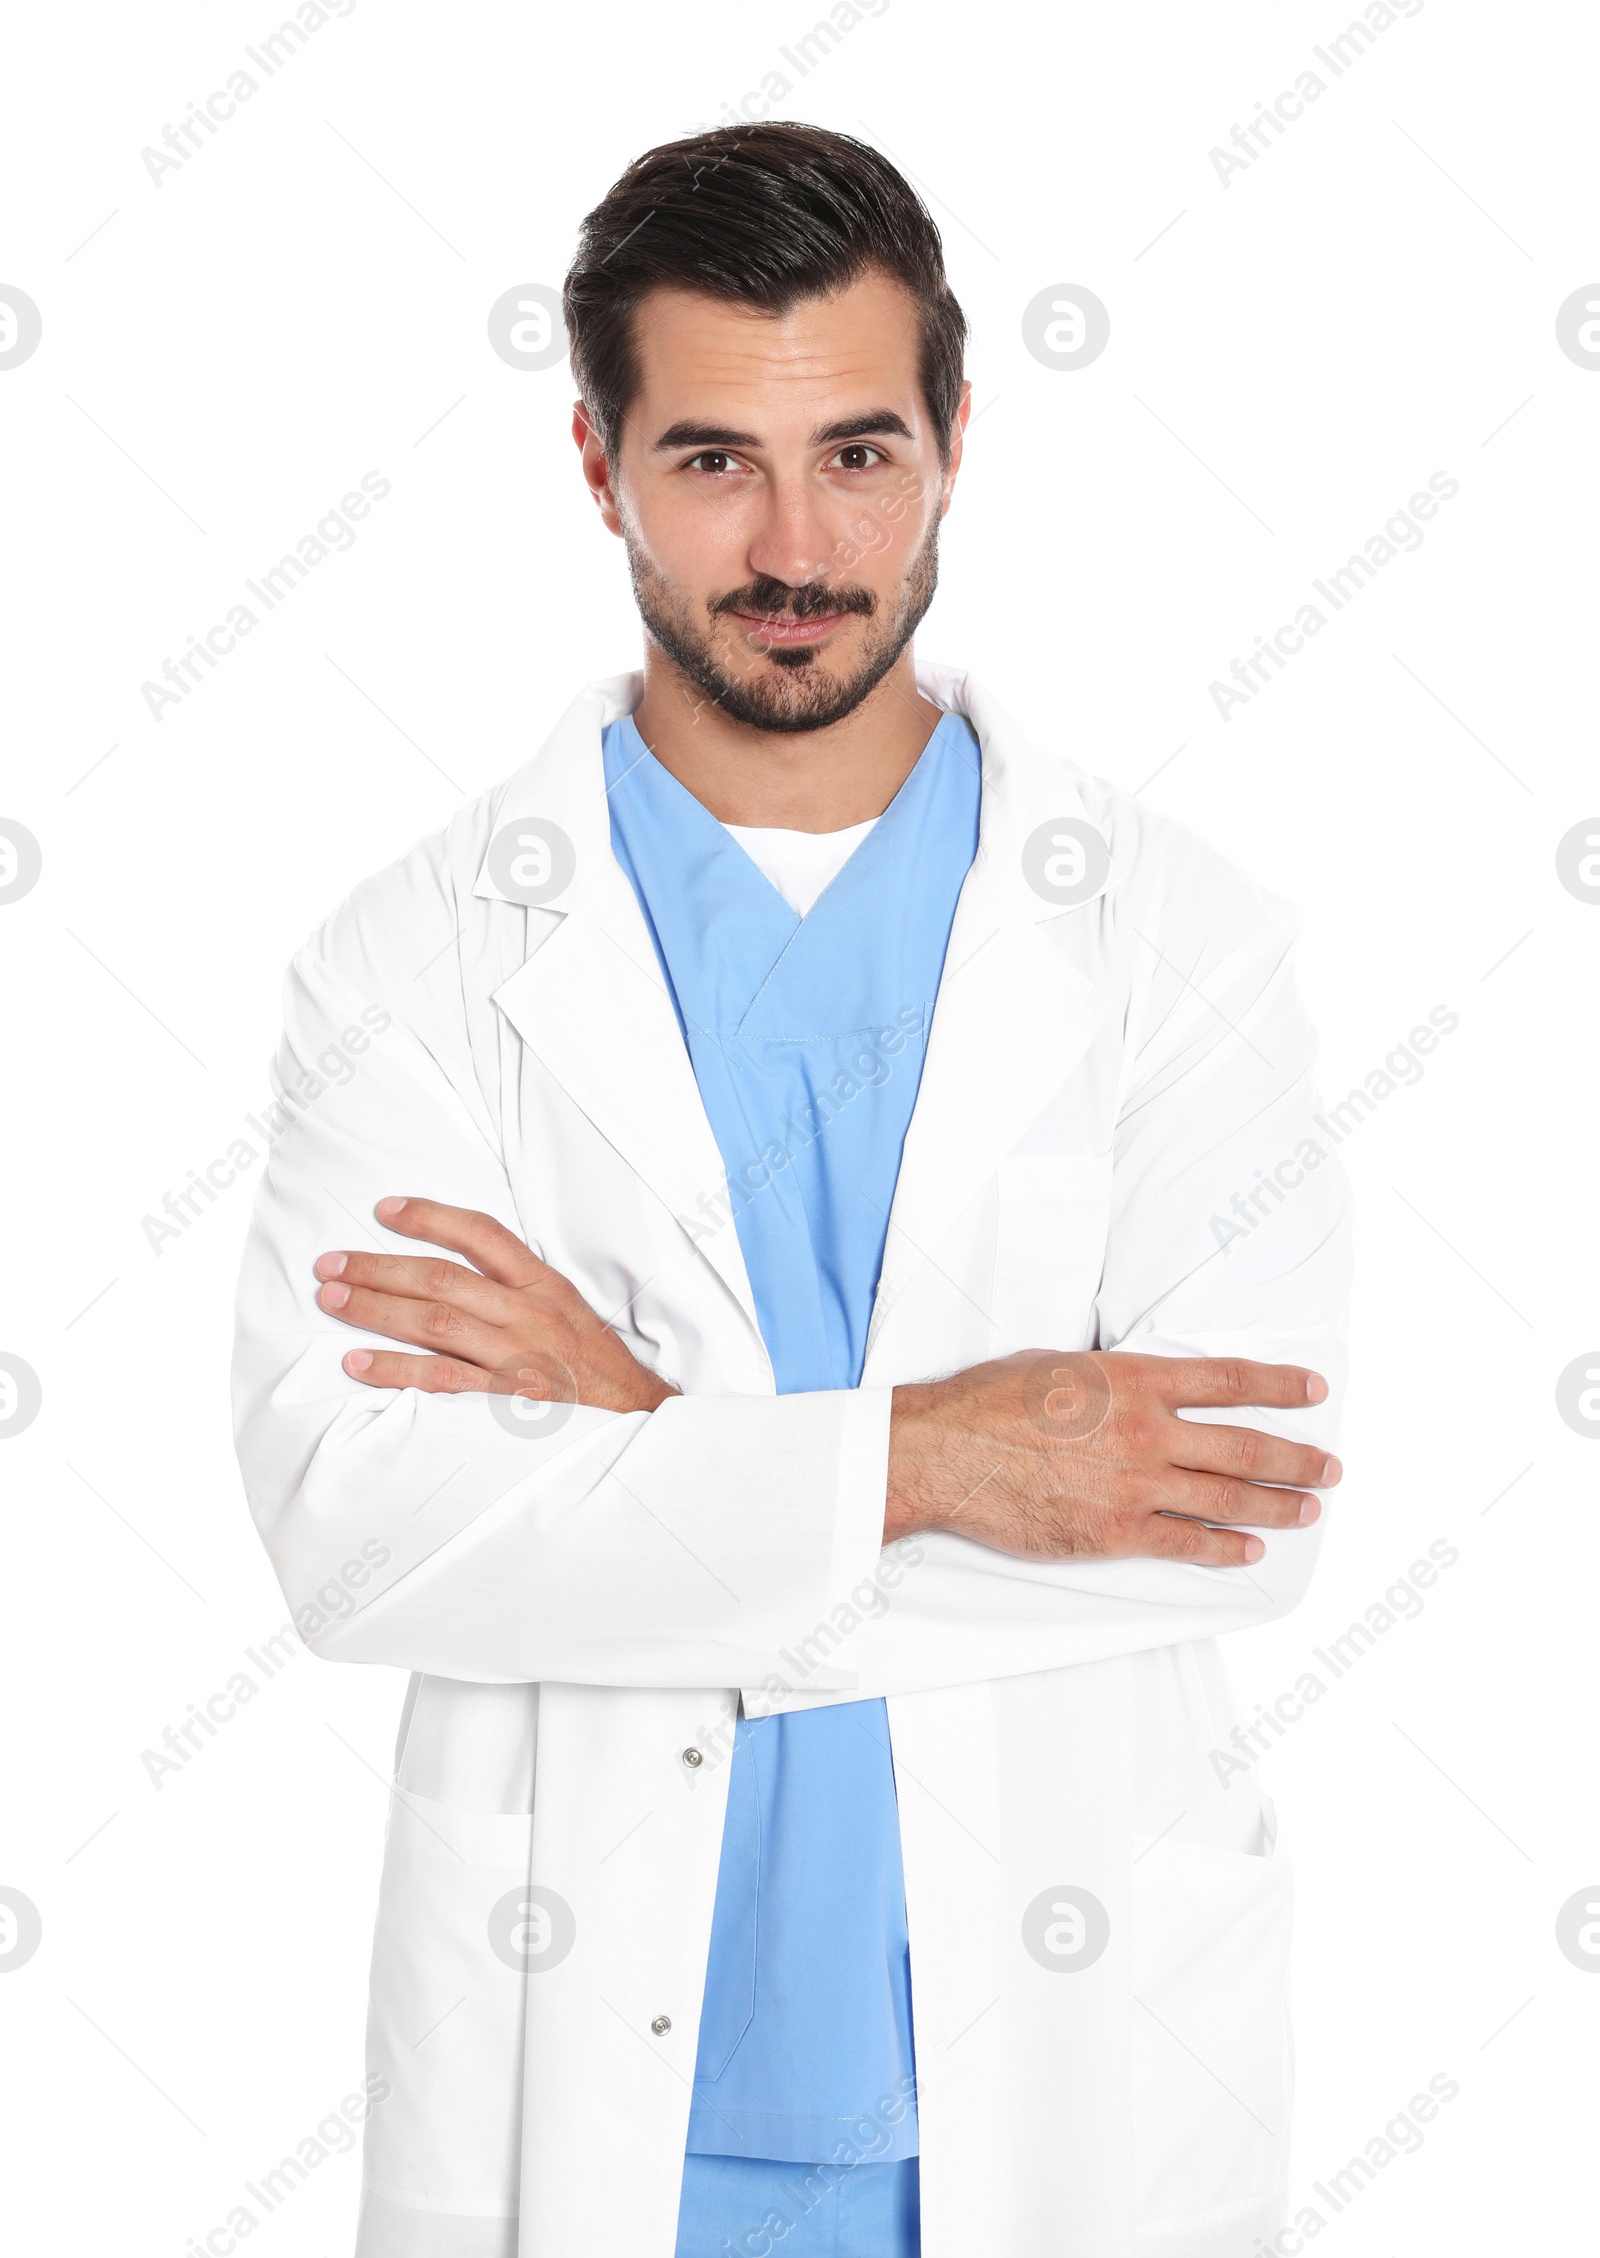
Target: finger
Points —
{"points": [[425, 1324], [434, 1375], [1215, 1497], [1250, 1456], [1173, 1538], [1205, 1380], [487, 1245], [419, 1277]]}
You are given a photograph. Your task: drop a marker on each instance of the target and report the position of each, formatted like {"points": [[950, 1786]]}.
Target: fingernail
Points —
{"points": [[330, 1265], [358, 1360], [1316, 1388], [389, 1208], [1253, 1548], [1309, 1509], [1332, 1472], [334, 1297]]}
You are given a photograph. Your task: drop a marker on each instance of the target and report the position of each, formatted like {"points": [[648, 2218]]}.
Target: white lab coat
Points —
{"points": [[581, 1605]]}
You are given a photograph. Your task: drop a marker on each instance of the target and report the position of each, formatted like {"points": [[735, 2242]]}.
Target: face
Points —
{"points": [[779, 490]]}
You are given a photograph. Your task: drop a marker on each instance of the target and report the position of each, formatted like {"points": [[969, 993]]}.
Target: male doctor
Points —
{"points": [[818, 1303]]}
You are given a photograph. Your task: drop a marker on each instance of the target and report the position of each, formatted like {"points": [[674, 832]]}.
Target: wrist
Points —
{"points": [[909, 1505]]}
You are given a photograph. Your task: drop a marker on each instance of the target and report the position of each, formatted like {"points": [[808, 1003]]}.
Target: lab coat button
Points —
{"points": [[692, 1757], [661, 2025]]}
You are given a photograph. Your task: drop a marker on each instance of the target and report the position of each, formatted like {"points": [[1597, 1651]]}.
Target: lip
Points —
{"points": [[788, 630]]}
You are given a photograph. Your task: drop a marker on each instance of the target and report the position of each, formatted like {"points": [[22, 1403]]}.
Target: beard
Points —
{"points": [[782, 689]]}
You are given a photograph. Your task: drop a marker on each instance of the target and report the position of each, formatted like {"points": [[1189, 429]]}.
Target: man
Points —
{"points": [[890, 1293]]}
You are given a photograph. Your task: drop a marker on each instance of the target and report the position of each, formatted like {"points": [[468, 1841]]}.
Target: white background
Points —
{"points": [[1292, 354]]}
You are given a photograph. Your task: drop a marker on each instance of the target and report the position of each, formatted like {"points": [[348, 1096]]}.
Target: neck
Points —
{"points": [[789, 780]]}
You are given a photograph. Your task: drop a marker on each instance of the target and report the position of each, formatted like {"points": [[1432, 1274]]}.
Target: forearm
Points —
{"points": [[442, 1532], [683, 1546]]}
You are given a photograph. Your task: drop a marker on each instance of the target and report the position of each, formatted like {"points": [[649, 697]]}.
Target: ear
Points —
{"points": [[958, 434], [596, 467]]}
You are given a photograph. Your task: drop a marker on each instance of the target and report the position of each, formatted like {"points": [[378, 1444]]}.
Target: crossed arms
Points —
{"points": [[1063, 1509], [1047, 1455]]}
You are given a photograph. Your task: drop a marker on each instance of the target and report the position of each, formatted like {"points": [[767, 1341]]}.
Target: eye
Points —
{"points": [[715, 461], [859, 448]]}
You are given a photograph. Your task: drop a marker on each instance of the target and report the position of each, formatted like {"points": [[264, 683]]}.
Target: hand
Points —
{"points": [[1082, 1455], [510, 1325]]}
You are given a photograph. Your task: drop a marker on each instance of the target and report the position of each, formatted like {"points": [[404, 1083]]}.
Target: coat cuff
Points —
{"points": [[800, 1525]]}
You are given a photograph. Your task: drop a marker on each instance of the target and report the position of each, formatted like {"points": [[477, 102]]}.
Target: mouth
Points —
{"points": [[783, 630]]}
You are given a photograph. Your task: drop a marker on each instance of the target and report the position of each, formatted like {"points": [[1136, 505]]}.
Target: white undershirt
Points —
{"points": [[801, 864]]}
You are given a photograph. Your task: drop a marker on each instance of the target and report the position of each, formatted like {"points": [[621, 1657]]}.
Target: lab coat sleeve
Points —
{"points": [[677, 1548], [1228, 1237]]}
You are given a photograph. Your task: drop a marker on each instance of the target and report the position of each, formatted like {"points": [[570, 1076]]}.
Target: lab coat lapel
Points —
{"points": [[1013, 1015], [589, 1000], [1012, 1019]]}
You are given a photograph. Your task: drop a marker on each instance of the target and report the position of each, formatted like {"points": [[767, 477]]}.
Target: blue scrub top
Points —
{"points": [[807, 1037]]}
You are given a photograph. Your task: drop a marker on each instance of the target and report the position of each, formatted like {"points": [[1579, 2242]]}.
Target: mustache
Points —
{"points": [[776, 599]]}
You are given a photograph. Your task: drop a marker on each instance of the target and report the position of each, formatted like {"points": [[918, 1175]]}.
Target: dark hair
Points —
{"points": [[766, 215]]}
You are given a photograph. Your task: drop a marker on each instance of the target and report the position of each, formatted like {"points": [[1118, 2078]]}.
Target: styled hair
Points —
{"points": [[764, 216]]}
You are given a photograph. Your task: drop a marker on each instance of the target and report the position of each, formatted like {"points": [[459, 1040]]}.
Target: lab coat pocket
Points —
{"points": [[458, 1933], [1212, 2060]]}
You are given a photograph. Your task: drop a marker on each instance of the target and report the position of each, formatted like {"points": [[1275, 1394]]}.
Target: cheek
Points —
{"points": [[880, 552], [693, 548]]}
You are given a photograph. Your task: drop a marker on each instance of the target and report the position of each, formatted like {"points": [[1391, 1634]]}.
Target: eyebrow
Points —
{"points": [[878, 423]]}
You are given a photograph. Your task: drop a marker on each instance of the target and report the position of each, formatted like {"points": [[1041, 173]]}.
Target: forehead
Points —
{"points": [[701, 356]]}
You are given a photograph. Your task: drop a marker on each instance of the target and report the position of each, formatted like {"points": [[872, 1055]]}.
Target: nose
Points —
{"points": [[795, 542]]}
